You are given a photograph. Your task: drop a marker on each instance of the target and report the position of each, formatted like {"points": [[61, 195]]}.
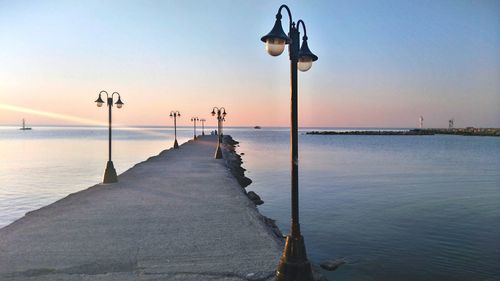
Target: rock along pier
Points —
{"points": [[181, 215]]}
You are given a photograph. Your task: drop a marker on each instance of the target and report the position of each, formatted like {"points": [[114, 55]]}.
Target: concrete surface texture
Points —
{"points": [[180, 215]]}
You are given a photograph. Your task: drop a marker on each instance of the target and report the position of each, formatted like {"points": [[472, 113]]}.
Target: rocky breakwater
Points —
{"points": [[233, 162], [415, 132], [469, 131]]}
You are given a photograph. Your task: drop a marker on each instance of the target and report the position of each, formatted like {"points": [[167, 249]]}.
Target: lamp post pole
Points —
{"points": [[203, 126], [293, 265], [221, 113], [194, 119], [175, 114], [222, 126], [110, 172]]}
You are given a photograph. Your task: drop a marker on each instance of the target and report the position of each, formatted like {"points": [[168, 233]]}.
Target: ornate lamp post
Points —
{"points": [[221, 113], [203, 126], [293, 263], [175, 114], [194, 119], [110, 172], [222, 126]]}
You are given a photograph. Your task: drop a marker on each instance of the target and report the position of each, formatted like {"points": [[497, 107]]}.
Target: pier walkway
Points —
{"points": [[180, 215]]}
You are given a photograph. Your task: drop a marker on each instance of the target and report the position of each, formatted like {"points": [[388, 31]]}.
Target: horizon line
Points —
{"points": [[236, 126]]}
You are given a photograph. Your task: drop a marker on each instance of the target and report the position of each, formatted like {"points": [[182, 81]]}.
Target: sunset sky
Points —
{"points": [[381, 63]]}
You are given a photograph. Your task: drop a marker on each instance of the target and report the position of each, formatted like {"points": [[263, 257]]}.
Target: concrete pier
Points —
{"points": [[180, 215]]}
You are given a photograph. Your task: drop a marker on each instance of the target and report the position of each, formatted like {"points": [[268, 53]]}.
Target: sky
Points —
{"points": [[381, 63]]}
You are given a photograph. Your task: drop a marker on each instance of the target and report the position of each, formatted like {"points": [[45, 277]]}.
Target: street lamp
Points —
{"points": [[221, 113], [222, 126], [293, 263], [203, 126], [110, 172], [175, 114], [194, 119]]}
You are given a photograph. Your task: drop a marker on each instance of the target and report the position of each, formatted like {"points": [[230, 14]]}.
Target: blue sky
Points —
{"points": [[381, 63]]}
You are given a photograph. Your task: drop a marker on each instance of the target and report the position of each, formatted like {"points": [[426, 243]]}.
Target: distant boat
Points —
{"points": [[24, 128], [257, 127]]}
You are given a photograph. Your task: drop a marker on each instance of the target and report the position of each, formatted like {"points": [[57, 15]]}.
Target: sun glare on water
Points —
{"points": [[75, 119]]}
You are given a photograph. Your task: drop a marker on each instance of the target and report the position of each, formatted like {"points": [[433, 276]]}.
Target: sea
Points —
{"points": [[396, 208]]}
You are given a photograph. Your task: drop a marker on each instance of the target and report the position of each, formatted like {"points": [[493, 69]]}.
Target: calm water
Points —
{"points": [[395, 207]]}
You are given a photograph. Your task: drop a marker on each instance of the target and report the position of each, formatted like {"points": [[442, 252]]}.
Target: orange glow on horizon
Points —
{"points": [[52, 115], [70, 118]]}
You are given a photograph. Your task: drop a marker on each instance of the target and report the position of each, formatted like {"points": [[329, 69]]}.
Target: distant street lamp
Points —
{"points": [[221, 113], [293, 262], [203, 126], [222, 126], [175, 114], [194, 119], [110, 172]]}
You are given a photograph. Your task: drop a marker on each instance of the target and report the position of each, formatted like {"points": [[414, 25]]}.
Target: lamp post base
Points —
{"points": [[294, 265], [202, 133], [176, 145], [110, 173], [218, 153]]}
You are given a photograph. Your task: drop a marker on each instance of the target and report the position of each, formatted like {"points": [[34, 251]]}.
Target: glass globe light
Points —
{"points": [[275, 46], [119, 103], [99, 102], [306, 57], [304, 64]]}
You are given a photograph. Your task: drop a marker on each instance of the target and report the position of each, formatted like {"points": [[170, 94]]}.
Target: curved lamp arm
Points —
{"points": [[304, 27], [223, 112], [278, 15], [99, 100], [214, 110], [107, 95], [119, 102], [175, 113]]}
